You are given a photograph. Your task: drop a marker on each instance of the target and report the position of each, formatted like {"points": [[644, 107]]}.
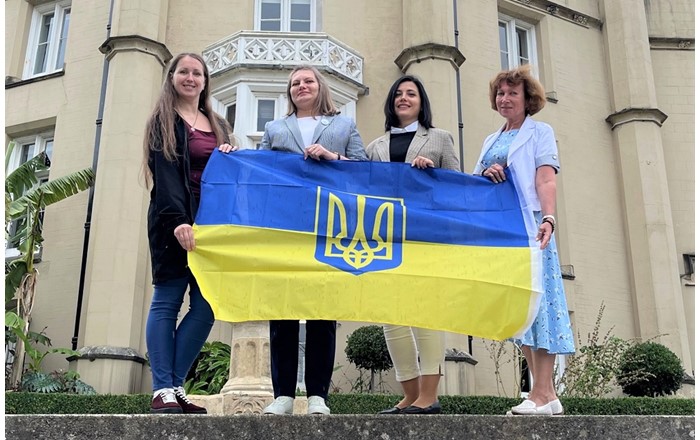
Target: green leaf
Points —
{"points": [[24, 176]]}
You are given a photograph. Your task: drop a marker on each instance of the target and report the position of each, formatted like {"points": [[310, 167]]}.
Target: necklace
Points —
{"points": [[192, 129], [196, 115]]}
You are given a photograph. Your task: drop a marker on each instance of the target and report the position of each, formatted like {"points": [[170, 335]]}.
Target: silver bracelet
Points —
{"points": [[551, 217]]}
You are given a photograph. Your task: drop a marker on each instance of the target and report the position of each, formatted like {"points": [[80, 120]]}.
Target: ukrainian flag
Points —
{"points": [[280, 237]]}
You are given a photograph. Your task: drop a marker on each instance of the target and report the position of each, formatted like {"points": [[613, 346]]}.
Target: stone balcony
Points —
{"points": [[284, 49]]}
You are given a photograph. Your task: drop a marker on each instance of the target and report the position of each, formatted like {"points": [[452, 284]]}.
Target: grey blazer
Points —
{"points": [[434, 143], [337, 134]]}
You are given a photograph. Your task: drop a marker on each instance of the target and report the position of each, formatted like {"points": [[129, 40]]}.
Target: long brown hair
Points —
{"points": [[324, 105], [161, 123]]}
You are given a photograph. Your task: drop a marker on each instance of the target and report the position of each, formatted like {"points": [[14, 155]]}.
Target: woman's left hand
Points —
{"points": [[318, 152], [544, 234], [495, 172], [422, 163], [227, 148]]}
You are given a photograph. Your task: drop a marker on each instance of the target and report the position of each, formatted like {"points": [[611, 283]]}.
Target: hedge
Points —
{"points": [[36, 403]]}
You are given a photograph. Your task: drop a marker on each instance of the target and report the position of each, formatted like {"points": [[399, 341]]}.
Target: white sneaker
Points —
{"points": [[280, 406], [317, 405]]}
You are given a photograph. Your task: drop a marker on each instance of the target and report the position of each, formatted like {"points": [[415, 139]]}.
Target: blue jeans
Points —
{"points": [[172, 350]]}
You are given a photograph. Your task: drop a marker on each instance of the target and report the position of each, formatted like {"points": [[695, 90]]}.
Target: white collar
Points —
{"points": [[407, 129]]}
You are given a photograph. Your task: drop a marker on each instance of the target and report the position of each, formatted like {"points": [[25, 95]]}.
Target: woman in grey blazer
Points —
{"points": [[314, 128], [410, 137]]}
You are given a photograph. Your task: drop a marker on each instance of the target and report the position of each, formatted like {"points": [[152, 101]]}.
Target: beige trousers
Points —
{"points": [[406, 344]]}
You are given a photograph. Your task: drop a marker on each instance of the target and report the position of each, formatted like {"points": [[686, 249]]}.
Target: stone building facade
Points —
{"points": [[83, 76]]}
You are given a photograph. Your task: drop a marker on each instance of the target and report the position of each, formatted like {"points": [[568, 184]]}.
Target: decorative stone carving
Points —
{"points": [[580, 19], [285, 49], [684, 44], [553, 9]]}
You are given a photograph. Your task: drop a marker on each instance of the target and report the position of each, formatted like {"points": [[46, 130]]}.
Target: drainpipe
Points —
{"points": [[91, 195], [460, 125]]}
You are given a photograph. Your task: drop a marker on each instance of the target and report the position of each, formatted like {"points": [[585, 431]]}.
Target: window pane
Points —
{"points": [[503, 39], [231, 114], [271, 25], [48, 149], [266, 113], [42, 50], [301, 10], [63, 39], [523, 51], [271, 9], [24, 153], [300, 26]]}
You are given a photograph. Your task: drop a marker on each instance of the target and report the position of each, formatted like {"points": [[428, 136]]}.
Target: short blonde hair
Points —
{"points": [[534, 92]]}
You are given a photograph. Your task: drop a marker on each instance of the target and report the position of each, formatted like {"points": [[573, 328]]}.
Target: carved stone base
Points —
{"points": [[252, 403], [242, 403]]}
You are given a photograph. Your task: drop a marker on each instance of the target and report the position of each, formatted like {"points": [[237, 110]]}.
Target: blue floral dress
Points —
{"points": [[551, 329]]}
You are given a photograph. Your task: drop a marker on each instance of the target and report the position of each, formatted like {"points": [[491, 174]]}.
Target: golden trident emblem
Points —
{"points": [[358, 253]]}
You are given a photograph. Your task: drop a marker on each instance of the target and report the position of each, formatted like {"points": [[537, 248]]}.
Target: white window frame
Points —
{"points": [[38, 142], [285, 12], [59, 9], [511, 26]]}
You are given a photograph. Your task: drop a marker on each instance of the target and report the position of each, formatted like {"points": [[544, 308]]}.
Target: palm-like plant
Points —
{"points": [[25, 200]]}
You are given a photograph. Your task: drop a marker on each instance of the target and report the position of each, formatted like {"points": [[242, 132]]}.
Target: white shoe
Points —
{"points": [[317, 405], [556, 407], [530, 408], [280, 406]]}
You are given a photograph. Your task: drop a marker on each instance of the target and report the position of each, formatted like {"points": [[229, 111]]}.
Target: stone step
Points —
{"points": [[369, 427]]}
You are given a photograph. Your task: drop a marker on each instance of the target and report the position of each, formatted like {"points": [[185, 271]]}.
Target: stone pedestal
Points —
{"points": [[249, 387]]}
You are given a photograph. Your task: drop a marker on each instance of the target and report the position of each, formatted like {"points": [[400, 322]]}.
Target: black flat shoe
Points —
{"points": [[392, 410], [432, 409]]}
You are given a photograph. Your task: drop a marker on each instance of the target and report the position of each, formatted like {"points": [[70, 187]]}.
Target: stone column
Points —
{"points": [[430, 54], [249, 387], [117, 277], [636, 127]]}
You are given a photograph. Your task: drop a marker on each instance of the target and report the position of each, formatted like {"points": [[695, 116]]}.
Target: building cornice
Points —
{"points": [[636, 114], [562, 12], [136, 43], [665, 43], [429, 51]]}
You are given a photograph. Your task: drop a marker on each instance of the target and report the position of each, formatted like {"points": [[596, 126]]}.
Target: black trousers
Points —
{"points": [[284, 354]]}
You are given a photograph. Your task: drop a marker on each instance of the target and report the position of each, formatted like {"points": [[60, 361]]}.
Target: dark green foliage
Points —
{"points": [[55, 382], [57, 403], [366, 348], [211, 369], [650, 369]]}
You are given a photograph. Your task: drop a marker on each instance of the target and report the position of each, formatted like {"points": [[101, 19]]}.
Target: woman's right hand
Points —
{"points": [[185, 236], [227, 148], [495, 172]]}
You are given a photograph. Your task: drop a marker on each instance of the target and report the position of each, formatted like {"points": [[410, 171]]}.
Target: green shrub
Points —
{"points": [[366, 348], [650, 369], [57, 403], [592, 370]]}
